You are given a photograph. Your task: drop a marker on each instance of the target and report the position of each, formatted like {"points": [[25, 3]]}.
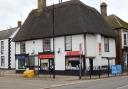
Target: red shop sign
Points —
{"points": [[72, 53], [46, 56]]}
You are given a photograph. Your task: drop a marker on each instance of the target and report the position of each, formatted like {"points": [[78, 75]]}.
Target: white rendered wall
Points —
{"points": [[59, 57], [92, 42], [5, 54], [76, 41], [34, 46]]}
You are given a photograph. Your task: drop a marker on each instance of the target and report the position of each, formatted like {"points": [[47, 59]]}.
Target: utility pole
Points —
{"points": [[53, 41], [80, 62]]}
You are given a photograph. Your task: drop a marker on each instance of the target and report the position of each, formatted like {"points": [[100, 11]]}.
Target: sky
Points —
{"points": [[12, 11]]}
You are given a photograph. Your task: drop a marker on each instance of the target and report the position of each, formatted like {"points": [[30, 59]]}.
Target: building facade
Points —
{"points": [[65, 36], [7, 49], [120, 28]]}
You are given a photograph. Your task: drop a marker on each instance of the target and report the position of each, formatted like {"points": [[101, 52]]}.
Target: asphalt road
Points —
{"points": [[111, 83]]}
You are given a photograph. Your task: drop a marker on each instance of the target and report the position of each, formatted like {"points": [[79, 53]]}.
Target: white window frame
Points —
{"points": [[2, 60], [106, 44], [2, 47], [47, 44], [68, 43], [22, 47]]}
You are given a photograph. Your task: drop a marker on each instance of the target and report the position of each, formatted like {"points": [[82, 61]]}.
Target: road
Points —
{"points": [[110, 83]]}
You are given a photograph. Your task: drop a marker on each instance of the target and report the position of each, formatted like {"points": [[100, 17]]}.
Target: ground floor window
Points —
{"points": [[72, 63], [21, 64], [2, 61], [44, 64]]}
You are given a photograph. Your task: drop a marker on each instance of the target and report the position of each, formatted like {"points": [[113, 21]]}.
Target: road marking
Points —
{"points": [[122, 87]]}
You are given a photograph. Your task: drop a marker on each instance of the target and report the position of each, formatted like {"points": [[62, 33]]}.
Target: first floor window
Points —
{"points": [[125, 39], [46, 44], [106, 44], [2, 61], [68, 43], [2, 47], [22, 47]]}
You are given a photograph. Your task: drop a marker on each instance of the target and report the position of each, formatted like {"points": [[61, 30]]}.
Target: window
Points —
{"points": [[72, 63], [2, 47], [106, 44], [23, 63], [125, 39], [22, 47], [68, 43], [2, 61], [46, 44]]}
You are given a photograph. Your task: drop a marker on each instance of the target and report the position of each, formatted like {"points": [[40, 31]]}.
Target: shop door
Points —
{"points": [[91, 65]]}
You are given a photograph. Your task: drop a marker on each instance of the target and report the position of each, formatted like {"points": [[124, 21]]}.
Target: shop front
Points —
{"points": [[21, 62], [74, 60], [24, 61], [46, 62]]}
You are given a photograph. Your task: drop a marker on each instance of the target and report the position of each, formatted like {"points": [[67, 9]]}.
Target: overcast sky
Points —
{"points": [[12, 11]]}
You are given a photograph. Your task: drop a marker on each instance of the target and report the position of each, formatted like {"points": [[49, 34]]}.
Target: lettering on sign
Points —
{"points": [[46, 56]]}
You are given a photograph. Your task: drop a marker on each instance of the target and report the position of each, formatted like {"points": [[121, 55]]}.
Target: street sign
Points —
{"points": [[116, 69]]}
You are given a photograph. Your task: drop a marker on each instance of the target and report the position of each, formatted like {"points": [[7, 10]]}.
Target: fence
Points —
{"points": [[104, 71]]}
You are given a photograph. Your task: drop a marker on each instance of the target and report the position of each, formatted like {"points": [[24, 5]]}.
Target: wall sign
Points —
{"points": [[72, 53], [46, 56]]}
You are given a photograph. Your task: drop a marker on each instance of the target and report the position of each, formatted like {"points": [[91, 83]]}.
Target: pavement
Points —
{"points": [[17, 81]]}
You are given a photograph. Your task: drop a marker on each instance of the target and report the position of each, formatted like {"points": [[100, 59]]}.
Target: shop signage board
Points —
{"points": [[46, 55], [72, 53]]}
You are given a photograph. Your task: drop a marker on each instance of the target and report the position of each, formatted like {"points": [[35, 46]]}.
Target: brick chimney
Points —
{"points": [[41, 4], [103, 9], [19, 24]]}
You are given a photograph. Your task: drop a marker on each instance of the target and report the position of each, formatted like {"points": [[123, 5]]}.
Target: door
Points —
{"points": [[91, 65]]}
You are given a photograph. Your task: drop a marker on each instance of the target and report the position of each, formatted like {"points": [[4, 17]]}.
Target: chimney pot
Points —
{"points": [[19, 23]]}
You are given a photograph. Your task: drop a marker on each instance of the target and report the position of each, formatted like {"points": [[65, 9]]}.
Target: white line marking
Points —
{"points": [[122, 87]]}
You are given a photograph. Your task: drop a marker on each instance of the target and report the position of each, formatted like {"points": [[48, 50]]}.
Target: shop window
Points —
{"points": [[106, 44], [68, 43], [72, 64], [23, 63], [2, 61], [2, 47], [46, 44], [22, 47], [44, 64]]}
